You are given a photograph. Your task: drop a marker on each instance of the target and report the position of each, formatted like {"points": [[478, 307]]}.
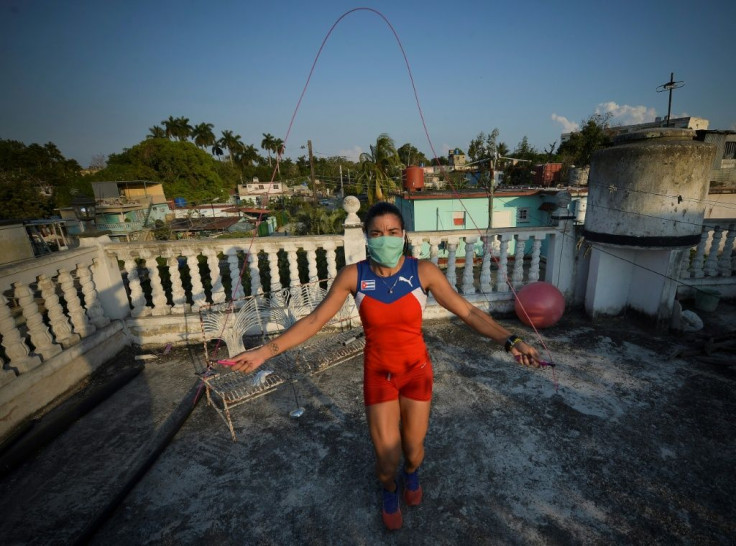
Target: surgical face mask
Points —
{"points": [[386, 250]]}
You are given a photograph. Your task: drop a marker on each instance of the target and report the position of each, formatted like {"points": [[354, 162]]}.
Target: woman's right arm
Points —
{"points": [[304, 328]]}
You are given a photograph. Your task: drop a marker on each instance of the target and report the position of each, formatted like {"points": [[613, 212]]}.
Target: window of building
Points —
{"points": [[261, 187], [729, 151], [522, 214], [275, 186]]}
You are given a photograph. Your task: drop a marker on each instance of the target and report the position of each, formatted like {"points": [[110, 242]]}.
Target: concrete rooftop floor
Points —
{"points": [[632, 447]]}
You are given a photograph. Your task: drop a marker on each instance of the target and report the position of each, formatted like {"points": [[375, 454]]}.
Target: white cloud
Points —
{"points": [[353, 154], [567, 125], [625, 114]]}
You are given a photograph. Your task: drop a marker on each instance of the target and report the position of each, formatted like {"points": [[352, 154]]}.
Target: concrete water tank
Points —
{"points": [[413, 179], [648, 189]]}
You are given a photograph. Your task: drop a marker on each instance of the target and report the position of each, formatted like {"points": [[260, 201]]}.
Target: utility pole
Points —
{"points": [[342, 190], [311, 171], [670, 86]]}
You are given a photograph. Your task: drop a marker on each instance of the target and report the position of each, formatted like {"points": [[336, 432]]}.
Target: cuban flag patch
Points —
{"points": [[368, 285]]}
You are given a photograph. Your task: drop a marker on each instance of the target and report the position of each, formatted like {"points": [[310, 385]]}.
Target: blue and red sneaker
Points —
{"points": [[412, 489], [391, 512]]}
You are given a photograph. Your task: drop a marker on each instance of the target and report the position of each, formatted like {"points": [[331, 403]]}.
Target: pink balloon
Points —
{"points": [[540, 304]]}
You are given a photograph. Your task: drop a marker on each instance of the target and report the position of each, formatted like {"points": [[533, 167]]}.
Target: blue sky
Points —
{"points": [[93, 76]]}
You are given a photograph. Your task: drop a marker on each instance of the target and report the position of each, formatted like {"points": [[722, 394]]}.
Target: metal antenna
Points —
{"points": [[669, 86]]}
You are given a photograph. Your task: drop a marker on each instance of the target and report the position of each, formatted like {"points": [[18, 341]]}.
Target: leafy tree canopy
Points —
{"points": [[184, 169], [35, 179], [595, 134], [409, 155]]}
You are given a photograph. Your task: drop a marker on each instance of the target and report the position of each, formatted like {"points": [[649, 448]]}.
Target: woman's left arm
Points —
{"points": [[434, 281]]}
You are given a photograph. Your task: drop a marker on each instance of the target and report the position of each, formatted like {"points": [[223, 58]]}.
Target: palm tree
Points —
{"points": [[203, 135], [267, 144], [247, 155], [169, 126], [232, 143], [183, 129], [278, 149], [379, 166], [156, 132]]}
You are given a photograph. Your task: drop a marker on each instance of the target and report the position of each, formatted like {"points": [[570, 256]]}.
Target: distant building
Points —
{"points": [[128, 208], [456, 159], [260, 193], [723, 170]]}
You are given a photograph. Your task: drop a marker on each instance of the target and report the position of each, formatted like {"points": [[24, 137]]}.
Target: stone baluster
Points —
{"points": [[78, 317], [255, 274], [178, 295], [517, 277], [485, 269], [312, 263], [724, 262], [468, 286], [158, 295], [37, 330], [236, 291], [213, 263], [502, 279], [293, 258], [434, 251], [273, 267], [58, 321], [198, 295], [451, 274], [331, 262], [137, 298], [696, 269], [416, 247], [15, 348], [534, 266], [95, 312], [711, 263]]}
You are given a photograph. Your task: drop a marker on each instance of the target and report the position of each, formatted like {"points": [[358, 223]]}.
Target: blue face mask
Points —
{"points": [[385, 250]]}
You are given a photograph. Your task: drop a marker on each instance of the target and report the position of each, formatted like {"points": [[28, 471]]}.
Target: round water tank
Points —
{"points": [[413, 179], [648, 189], [180, 202]]}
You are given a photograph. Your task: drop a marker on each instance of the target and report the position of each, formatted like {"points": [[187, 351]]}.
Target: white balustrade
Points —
{"points": [[725, 268], [37, 330], [711, 262]]}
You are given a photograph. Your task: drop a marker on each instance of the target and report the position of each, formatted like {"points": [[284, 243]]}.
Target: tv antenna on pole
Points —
{"points": [[669, 86]]}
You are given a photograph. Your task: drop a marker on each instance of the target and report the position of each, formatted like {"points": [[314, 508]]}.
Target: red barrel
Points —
{"points": [[413, 179]]}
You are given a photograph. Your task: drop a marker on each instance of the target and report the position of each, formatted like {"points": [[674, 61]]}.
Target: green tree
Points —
{"points": [[483, 146], [203, 135], [35, 179], [594, 134], [177, 128], [380, 167], [156, 132], [409, 155], [232, 142], [183, 169], [268, 144], [524, 150]]}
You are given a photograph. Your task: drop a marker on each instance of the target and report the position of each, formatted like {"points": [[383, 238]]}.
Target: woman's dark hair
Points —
{"points": [[380, 209]]}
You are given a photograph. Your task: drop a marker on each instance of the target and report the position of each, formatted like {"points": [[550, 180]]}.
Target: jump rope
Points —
{"points": [[549, 363]]}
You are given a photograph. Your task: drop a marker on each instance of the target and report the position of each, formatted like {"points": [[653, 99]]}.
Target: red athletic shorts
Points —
{"points": [[415, 383]]}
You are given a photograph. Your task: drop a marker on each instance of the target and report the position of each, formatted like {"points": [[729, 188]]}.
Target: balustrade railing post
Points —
{"points": [[517, 277], [434, 251], [178, 295], [353, 238], [724, 262], [711, 263], [502, 275], [77, 315], [198, 295], [137, 298], [534, 265], [15, 348], [451, 265], [329, 247], [58, 321], [37, 330], [95, 312], [273, 266], [236, 284], [255, 274], [293, 259], [468, 286], [485, 270], [217, 289], [696, 268]]}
